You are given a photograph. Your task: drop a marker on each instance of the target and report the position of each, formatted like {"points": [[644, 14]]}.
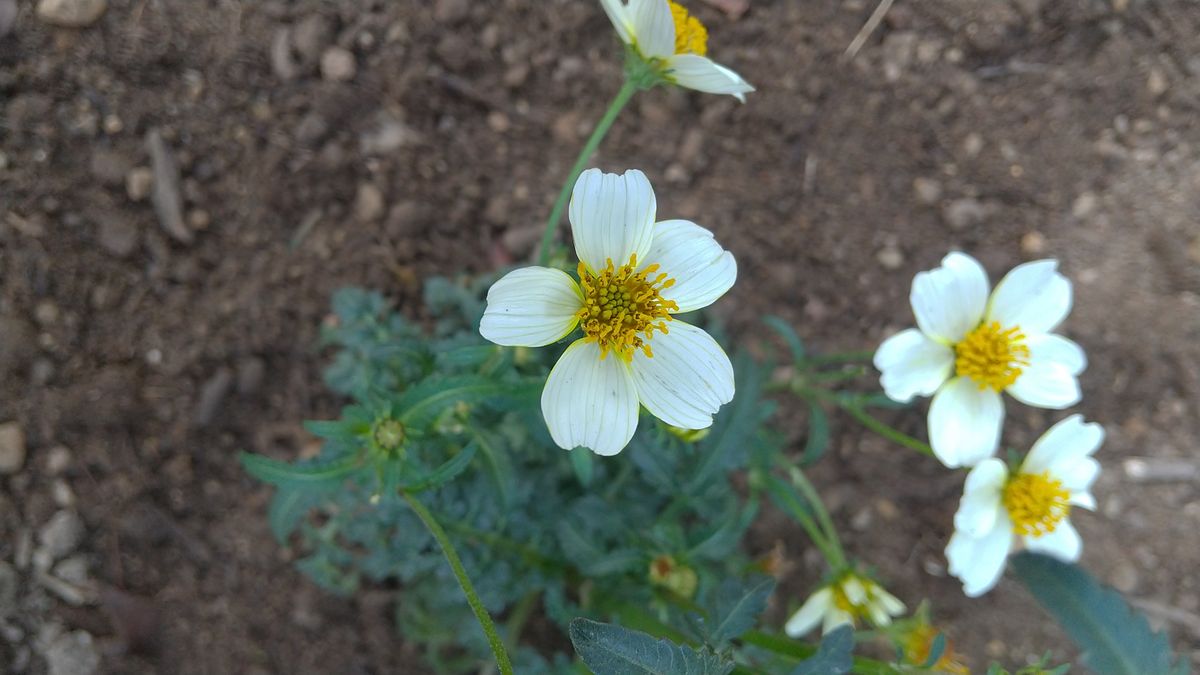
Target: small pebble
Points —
{"points": [[138, 183], [963, 213], [58, 460], [12, 448], [890, 258], [338, 65], [1085, 205], [71, 13], [61, 534], [368, 203], [928, 190], [1033, 243]]}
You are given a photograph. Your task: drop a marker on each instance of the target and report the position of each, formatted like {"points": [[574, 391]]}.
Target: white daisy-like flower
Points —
{"points": [[1030, 508], [969, 347], [634, 273], [674, 43], [850, 599]]}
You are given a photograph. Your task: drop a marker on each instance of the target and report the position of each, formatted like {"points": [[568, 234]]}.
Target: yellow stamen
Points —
{"points": [[690, 35], [622, 307], [1036, 503], [992, 356]]}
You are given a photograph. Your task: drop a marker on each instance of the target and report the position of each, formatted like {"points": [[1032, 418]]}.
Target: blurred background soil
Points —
{"points": [[183, 184]]}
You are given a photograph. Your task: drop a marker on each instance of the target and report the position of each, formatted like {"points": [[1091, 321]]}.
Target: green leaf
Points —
{"points": [[1115, 639], [794, 343], [421, 404], [788, 500], [935, 651], [284, 474], [834, 657], [590, 558], [736, 607], [613, 650], [288, 508], [726, 535], [444, 473], [818, 435], [500, 467]]}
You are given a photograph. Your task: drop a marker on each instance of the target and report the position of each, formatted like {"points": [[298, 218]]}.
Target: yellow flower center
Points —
{"points": [[992, 356], [1036, 503], [690, 35], [622, 307], [918, 647]]}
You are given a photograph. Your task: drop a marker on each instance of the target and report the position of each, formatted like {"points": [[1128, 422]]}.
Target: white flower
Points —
{"points": [[1030, 508], [634, 273], [969, 347], [847, 600], [675, 43]]}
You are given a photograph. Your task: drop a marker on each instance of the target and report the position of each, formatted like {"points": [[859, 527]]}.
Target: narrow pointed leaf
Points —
{"points": [[444, 473], [284, 474]]}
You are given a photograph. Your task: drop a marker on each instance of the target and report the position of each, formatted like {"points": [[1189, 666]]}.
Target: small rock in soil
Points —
{"points": [[8, 17], [311, 36], [12, 448], [281, 55], [338, 65], [109, 167], [72, 654], [168, 204], [368, 203], [58, 460], [250, 373], [211, 396], [890, 258], [962, 213], [389, 135], [17, 347], [117, 235], [71, 13], [62, 534], [1033, 243], [928, 190], [72, 570], [138, 183]]}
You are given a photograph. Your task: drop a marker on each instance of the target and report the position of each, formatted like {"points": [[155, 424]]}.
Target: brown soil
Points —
{"points": [[1012, 130]]}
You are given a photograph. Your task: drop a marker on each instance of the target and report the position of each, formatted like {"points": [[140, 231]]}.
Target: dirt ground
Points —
{"points": [[320, 143]]}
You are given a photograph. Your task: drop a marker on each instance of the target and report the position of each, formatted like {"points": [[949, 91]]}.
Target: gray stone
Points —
{"points": [[116, 235], [338, 65], [250, 373], [71, 13], [138, 183], [212, 394], [62, 534], [12, 448], [389, 135], [168, 203], [368, 203], [72, 654]]}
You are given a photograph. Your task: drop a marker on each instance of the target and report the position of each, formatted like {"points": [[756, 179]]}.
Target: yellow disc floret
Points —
{"points": [[690, 35], [992, 356], [1036, 503], [622, 307]]}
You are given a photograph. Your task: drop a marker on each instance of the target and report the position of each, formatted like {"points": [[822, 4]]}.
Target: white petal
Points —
{"points": [[980, 503], [978, 563], [964, 423], [653, 27], [836, 617], [890, 603], [1063, 543], [912, 365], [589, 401], [531, 307], [612, 217], [949, 301], [1065, 443], [687, 380], [810, 613], [689, 254], [619, 15], [878, 615], [1084, 499], [855, 592], [1046, 385], [1033, 296], [1051, 348], [703, 74]]}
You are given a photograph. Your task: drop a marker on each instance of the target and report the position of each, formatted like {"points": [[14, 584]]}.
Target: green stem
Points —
{"points": [[888, 432], [800, 651], [831, 537], [564, 195], [481, 613]]}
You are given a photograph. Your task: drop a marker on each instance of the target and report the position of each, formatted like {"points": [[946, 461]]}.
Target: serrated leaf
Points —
{"points": [[590, 558], [736, 607], [284, 474], [446, 472], [784, 329], [833, 657], [613, 650], [818, 434], [1115, 639]]}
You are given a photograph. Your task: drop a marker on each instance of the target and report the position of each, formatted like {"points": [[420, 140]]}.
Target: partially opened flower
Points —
{"points": [[1029, 508], [850, 599], [634, 273], [674, 43], [969, 347]]}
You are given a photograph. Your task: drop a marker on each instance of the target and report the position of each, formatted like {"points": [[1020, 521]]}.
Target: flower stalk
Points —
{"points": [[460, 573]]}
